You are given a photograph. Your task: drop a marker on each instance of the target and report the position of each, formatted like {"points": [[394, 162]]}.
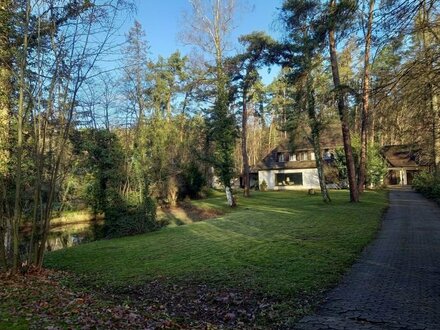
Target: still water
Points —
{"points": [[72, 229], [66, 236]]}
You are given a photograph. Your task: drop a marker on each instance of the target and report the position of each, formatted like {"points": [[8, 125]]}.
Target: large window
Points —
{"points": [[289, 179]]}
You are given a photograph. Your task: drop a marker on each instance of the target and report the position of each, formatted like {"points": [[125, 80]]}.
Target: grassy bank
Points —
{"points": [[285, 245]]}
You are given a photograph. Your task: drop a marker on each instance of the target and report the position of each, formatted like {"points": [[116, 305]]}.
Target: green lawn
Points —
{"points": [[13, 325], [278, 243]]}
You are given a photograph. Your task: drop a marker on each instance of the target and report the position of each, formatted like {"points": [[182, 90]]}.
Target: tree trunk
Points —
{"points": [[19, 152], [269, 144], [365, 101], [40, 141], [47, 214], [435, 133], [3, 227], [343, 114], [5, 114], [432, 93], [230, 197], [320, 166], [372, 122], [40, 134], [315, 128], [244, 146]]}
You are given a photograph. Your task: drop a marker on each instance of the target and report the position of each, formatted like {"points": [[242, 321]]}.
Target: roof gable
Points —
{"points": [[331, 138], [402, 155]]}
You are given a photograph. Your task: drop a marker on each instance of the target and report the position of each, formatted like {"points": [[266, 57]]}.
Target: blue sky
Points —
{"points": [[162, 20]]}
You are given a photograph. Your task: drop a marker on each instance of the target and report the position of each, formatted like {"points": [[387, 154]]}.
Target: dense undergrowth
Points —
{"points": [[428, 184]]}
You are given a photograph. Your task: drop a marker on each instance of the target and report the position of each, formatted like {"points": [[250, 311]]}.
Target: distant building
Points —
{"points": [[286, 169], [403, 163]]}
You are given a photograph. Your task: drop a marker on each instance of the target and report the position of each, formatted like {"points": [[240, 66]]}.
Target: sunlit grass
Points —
{"points": [[279, 243]]}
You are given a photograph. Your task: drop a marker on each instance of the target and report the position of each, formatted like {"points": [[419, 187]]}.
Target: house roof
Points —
{"points": [[270, 161], [402, 156], [331, 137]]}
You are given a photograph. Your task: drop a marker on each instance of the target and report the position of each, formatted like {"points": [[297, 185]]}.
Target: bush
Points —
{"points": [[376, 166], [172, 191], [133, 221], [263, 185], [192, 181], [331, 173], [122, 219], [427, 184]]}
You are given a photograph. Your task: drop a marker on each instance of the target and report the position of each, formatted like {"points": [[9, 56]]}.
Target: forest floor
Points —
{"points": [[264, 264]]}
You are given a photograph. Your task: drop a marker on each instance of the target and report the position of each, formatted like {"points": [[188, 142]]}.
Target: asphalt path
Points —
{"points": [[396, 282]]}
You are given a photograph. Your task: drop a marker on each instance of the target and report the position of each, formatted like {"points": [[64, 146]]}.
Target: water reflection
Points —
{"points": [[61, 240], [67, 235], [66, 232]]}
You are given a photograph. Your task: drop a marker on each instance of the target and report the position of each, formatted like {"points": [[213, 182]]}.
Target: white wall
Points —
{"points": [[310, 179]]}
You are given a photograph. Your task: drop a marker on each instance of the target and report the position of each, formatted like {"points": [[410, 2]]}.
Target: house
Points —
{"points": [[403, 162], [287, 168], [293, 168]]}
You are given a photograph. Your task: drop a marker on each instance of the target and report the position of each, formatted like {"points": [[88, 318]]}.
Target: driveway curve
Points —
{"points": [[396, 282]]}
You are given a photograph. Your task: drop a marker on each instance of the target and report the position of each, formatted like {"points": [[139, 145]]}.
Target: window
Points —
{"points": [[302, 155], [289, 179], [280, 157], [312, 156], [292, 158]]}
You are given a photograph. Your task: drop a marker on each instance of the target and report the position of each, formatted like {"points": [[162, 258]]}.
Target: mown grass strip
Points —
{"points": [[278, 243]]}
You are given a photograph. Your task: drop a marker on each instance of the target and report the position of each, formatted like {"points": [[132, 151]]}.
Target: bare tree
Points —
{"points": [[60, 40], [6, 88], [208, 28]]}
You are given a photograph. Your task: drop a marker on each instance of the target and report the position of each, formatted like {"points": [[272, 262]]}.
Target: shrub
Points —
{"points": [[122, 219], [263, 185], [376, 166], [129, 222], [331, 173], [192, 181], [172, 191], [427, 184], [165, 192]]}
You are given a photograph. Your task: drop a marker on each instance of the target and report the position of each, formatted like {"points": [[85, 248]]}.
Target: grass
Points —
{"points": [[281, 244], [11, 323]]}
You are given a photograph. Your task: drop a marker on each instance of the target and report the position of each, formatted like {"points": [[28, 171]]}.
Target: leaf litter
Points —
{"points": [[51, 300]]}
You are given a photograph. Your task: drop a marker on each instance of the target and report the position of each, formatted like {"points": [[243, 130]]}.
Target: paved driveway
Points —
{"points": [[396, 282]]}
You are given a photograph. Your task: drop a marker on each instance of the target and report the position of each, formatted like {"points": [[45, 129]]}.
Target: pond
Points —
{"points": [[68, 230], [78, 227], [67, 235]]}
